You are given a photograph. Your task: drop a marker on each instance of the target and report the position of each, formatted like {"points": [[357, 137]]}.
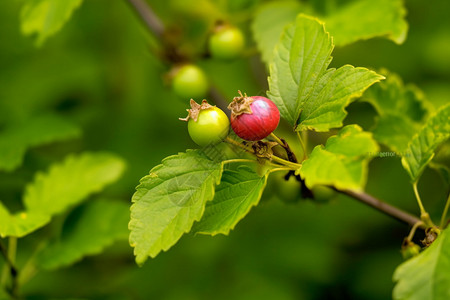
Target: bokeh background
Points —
{"points": [[103, 72]]}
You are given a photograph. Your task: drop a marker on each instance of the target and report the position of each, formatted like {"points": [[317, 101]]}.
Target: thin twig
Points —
{"points": [[219, 100], [156, 27], [383, 207], [152, 22]]}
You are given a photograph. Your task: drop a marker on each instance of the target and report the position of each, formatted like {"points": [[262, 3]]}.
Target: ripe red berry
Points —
{"points": [[253, 118]]}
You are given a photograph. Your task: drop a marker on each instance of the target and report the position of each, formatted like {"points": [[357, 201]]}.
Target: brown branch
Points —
{"points": [[146, 14], [367, 199], [156, 27], [219, 100], [383, 207]]}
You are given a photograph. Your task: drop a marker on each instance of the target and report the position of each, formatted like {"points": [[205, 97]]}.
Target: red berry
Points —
{"points": [[253, 118]]}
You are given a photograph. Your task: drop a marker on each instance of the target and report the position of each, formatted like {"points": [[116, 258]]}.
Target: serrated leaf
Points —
{"points": [[427, 275], [101, 224], [64, 185], [342, 162], [20, 224], [16, 139], [421, 148], [394, 131], [269, 22], [359, 20], [237, 193], [307, 94], [401, 110], [169, 200], [46, 17], [70, 182], [362, 20], [325, 108]]}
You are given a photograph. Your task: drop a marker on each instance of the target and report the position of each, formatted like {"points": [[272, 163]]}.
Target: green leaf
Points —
{"points": [[423, 145], [427, 275], [394, 131], [237, 193], [359, 20], [269, 22], [342, 162], [15, 140], [64, 185], [20, 224], [46, 17], [70, 182], [309, 96], [101, 223], [324, 108], [362, 20], [169, 200], [401, 110]]}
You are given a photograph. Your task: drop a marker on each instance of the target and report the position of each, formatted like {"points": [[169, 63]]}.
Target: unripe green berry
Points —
{"points": [[189, 82], [411, 250], [211, 127], [207, 124], [226, 43]]}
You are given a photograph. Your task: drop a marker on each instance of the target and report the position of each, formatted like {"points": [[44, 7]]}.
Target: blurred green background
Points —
{"points": [[102, 72]]}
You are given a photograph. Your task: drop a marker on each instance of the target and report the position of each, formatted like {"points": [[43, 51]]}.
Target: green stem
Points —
{"points": [[9, 269], [30, 269], [6, 266], [235, 160], [413, 230], [236, 143], [279, 169], [277, 139], [12, 248], [277, 159], [303, 144], [424, 216], [287, 163], [444, 213], [416, 192]]}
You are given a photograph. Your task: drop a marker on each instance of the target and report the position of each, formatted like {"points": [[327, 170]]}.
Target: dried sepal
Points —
{"points": [[241, 105], [263, 149], [195, 110]]}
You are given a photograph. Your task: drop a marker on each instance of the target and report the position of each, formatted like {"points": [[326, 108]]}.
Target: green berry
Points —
{"points": [[207, 125], [226, 43], [190, 82], [410, 250]]}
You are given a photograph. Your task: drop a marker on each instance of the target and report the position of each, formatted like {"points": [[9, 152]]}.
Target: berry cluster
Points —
{"points": [[226, 43], [252, 119]]}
